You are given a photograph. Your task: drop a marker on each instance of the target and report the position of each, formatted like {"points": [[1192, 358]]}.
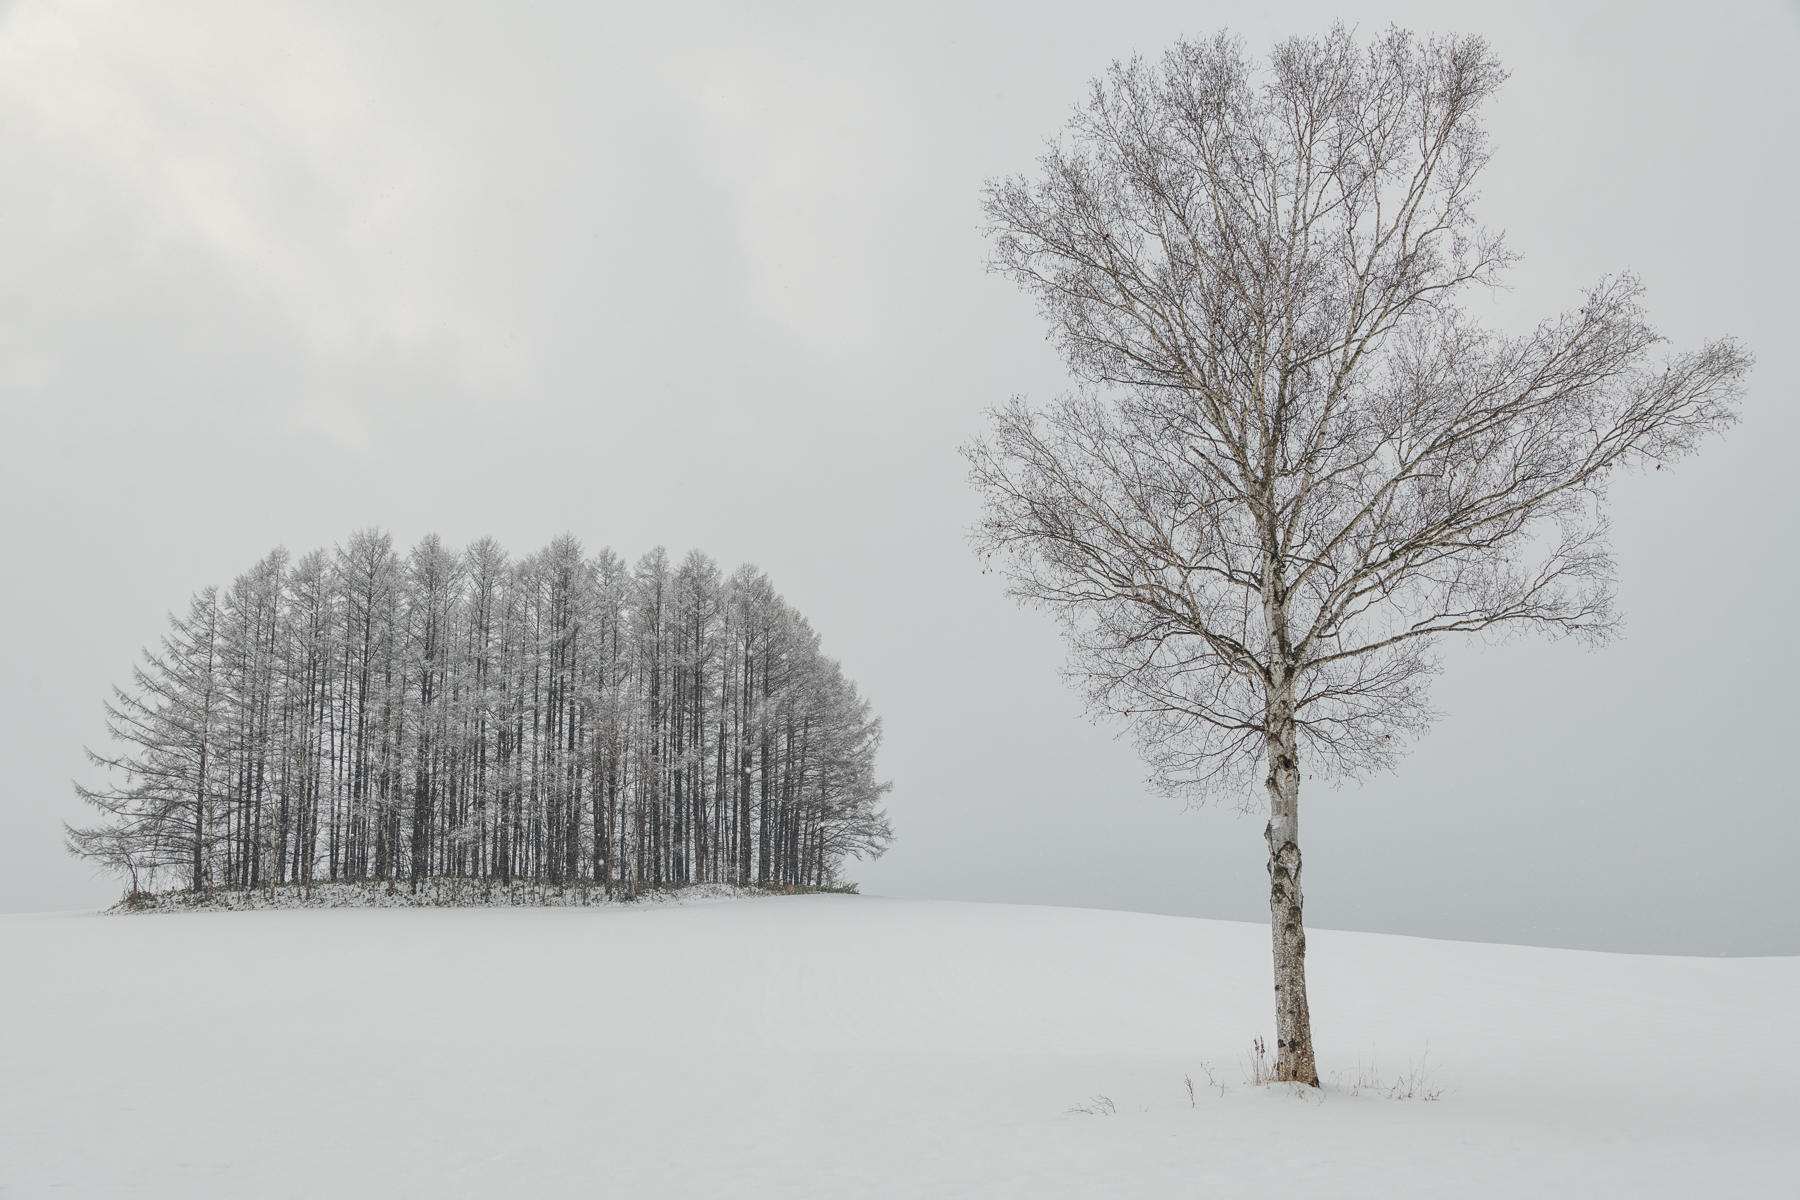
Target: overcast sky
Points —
{"points": [[711, 276]]}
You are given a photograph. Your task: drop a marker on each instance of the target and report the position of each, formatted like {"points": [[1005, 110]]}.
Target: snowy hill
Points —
{"points": [[853, 1046]]}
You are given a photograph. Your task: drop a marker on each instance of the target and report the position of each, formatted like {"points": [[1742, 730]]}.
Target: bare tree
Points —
{"points": [[1295, 460], [160, 808]]}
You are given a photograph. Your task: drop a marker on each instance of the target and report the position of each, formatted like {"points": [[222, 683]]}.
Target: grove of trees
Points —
{"points": [[361, 715]]}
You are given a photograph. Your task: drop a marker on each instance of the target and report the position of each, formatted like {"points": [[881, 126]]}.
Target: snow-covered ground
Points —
{"points": [[431, 893], [854, 1046]]}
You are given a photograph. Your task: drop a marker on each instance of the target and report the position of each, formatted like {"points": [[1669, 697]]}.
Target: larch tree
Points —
{"points": [[158, 806], [1294, 460]]}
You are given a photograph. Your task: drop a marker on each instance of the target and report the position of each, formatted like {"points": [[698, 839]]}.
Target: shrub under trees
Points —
{"points": [[356, 715]]}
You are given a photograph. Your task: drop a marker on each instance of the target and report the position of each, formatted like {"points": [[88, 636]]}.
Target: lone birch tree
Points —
{"points": [[1294, 460]]}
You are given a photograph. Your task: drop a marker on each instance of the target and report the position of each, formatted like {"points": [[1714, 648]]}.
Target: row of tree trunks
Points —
{"points": [[564, 719]]}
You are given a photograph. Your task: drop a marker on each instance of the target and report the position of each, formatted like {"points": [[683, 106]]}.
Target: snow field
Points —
{"points": [[856, 1046]]}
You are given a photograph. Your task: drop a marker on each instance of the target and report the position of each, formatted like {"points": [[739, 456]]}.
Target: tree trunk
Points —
{"points": [[1293, 1022], [200, 797]]}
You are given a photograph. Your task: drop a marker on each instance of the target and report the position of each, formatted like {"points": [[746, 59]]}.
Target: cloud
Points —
{"points": [[259, 141], [808, 145]]}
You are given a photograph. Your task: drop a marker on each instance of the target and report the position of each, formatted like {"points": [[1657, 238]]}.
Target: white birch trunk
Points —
{"points": [[1293, 1020], [1287, 929]]}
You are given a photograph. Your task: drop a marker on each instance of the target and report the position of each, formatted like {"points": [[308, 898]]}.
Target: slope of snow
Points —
{"points": [[854, 1046]]}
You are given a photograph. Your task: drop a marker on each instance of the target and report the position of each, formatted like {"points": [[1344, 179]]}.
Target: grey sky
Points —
{"points": [[712, 277]]}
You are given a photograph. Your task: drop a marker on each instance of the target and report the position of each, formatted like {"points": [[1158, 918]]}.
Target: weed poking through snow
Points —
{"points": [[1258, 1070], [1415, 1083]]}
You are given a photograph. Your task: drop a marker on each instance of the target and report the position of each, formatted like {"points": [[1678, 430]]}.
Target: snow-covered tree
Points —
{"points": [[1296, 459], [559, 719], [159, 807]]}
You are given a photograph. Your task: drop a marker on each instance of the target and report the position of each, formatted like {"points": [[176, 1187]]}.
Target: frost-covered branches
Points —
{"points": [[564, 719], [1295, 458]]}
